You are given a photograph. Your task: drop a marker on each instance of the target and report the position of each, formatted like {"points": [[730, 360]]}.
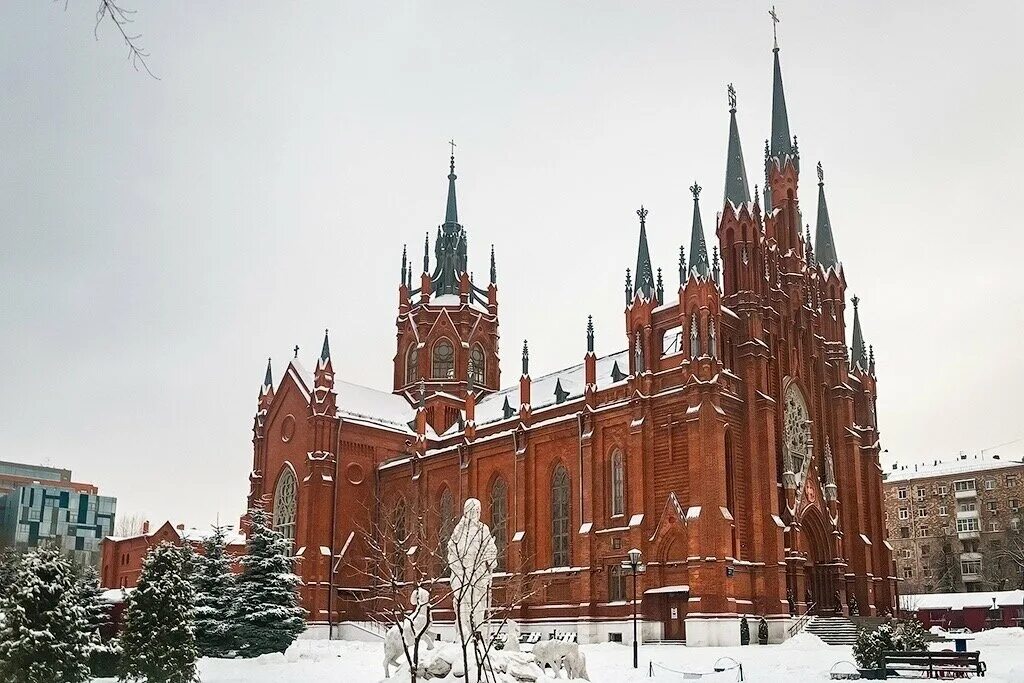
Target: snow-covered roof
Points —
{"points": [[960, 600], [940, 469], [115, 595], [195, 535], [542, 389], [356, 402]]}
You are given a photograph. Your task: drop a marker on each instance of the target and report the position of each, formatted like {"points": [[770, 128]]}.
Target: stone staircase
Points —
{"points": [[834, 630]]}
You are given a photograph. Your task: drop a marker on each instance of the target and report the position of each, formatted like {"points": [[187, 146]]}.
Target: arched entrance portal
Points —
{"points": [[818, 575]]}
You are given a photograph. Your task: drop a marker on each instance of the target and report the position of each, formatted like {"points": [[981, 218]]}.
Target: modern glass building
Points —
{"points": [[76, 522]]}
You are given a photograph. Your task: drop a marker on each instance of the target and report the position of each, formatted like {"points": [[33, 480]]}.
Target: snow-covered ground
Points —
{"points": [[804, 658]]}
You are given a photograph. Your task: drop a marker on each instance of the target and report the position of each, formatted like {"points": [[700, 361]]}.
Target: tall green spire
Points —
{"points": [[698, 249], [325, 352], [644, 273], [858, 354], [736, 189], [824, 242], [268, 380], [451, 214], [782, 141], [451, 245]]}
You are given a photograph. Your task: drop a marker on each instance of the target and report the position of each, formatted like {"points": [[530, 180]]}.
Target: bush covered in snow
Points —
{"points": [[895, 636]]}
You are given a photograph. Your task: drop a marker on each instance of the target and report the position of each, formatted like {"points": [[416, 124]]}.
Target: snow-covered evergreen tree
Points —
{"points": [[214, 585], [90, 598], [266, 615], [44, 637], [158, 643]]}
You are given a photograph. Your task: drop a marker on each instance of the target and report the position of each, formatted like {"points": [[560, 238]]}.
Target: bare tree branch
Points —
{"points": [[121, 17]]}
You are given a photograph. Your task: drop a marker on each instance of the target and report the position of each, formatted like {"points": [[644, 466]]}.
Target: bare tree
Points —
{"points": [[406, 550], [129, 524]]}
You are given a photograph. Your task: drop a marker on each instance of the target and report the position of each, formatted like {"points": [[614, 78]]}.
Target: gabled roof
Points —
{"points": [[363, 403]]}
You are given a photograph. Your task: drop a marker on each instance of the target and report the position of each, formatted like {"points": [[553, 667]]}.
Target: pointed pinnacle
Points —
{"points": [[526, 359]]}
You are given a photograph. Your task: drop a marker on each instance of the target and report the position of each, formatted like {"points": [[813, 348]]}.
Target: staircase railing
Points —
{"points": [[799, 624]]}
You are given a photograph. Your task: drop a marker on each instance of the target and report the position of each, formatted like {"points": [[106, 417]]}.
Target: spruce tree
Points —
{"points": [[214, 585], [43, 638], [158, 642], [103, 656], [266, 616]]}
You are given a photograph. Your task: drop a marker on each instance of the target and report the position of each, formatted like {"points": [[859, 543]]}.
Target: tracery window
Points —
{"points": [[797, 433], [285, 505], [560, 516], [618, 504], [499, 521], [443, 360], [712, 340], [476, 365], [411, 365]]}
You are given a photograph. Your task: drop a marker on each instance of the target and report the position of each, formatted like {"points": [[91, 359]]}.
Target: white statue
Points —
{"points": [[559, 653], [472, 557], [511, 636], [402, 636]]}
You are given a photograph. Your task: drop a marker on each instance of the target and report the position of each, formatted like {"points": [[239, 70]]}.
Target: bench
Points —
{"points": [[934, 664]]}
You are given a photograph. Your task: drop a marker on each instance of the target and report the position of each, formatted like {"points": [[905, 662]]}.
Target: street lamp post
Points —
{"points": [[635, 567]]}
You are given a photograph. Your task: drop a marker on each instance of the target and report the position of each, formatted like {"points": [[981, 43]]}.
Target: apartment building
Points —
{"points": [[950, 523]]}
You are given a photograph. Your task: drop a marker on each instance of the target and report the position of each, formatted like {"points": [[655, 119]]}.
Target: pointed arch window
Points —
{"points": [[618, 480], [443, 360], [399, 540], [694, 338], [712, 341], [411, 364], [446, 508], [477, 365], [560, 517], [285, 505], [499, 521]]}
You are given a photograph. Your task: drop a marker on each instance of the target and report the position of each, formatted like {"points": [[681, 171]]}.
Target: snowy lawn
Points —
{"points": [[804, 658]]}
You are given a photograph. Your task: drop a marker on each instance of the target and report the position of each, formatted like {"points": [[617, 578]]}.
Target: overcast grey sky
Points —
{"points": [[161, 238]]}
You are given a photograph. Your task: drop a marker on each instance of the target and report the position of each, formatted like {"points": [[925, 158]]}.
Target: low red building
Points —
{"points": [[975, 611], [121, 556]]}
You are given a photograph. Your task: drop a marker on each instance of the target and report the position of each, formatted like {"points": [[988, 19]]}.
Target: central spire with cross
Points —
{"points": [[775, 25]]}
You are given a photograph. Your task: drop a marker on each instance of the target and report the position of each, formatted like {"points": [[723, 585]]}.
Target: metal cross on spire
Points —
{"points": [[775, 24], [732, 97], [452, 143]]}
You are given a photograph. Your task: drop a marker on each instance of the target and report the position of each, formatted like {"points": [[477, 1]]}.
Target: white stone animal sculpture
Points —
{"points": [[511, 636], [552, 653], [576, 665], [415, 625]]}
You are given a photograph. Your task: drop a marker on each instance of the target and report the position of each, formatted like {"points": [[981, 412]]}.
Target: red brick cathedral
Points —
{"points": [[733, 440]]}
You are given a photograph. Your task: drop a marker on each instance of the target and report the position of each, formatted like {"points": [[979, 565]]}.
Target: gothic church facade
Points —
{"points": [[733, 441]]}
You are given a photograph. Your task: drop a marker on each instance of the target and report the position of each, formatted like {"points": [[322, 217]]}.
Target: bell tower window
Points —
{"points": [[476, 365], [443, 360], [411, 366]]}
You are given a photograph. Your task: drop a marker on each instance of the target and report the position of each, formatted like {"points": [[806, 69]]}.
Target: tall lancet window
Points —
{"points": [[694, 339], [638, 353], [618, 492], [560, 517], [499, 521], [446, 507], [476, 365], [443, 360], [284, 505], [712, 341], [797, 433], [411, 366]]}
